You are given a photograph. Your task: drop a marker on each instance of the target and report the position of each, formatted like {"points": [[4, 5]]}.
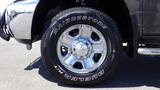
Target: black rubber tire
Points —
{"points": [[63, 20]]}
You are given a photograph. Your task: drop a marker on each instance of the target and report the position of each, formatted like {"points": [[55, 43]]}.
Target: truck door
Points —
{"points": [[151, 19]]}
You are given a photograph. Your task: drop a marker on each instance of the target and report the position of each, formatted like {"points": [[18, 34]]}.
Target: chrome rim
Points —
{"points": [[81, 48]]}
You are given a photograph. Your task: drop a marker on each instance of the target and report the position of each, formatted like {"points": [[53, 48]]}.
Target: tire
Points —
{"points": [[87, 67]]}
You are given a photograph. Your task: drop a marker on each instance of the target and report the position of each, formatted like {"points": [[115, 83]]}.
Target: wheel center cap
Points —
{"points": [[80, 49]]}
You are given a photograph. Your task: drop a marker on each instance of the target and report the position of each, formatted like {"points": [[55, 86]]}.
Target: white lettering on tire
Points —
{"points": [[74, 18], [84, 79]]}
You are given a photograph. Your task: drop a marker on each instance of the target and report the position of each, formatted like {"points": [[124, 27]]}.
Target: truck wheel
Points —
{"points": [[81, 46]]}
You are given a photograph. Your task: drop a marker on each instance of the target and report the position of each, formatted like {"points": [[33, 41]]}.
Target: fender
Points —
{"points": [[135, 12], [19, 19]]}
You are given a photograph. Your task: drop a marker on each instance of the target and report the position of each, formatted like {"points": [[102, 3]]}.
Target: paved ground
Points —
{"points": [[142, 73]]}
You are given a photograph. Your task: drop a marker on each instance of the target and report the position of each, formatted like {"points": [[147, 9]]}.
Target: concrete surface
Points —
{"points": [[22, 70]]}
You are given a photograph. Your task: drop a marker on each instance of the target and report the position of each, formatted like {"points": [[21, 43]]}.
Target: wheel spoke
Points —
{"points": [[70, 60], [98, 47], [88, 63], [82, 48], [85, 31], [66, 39]]}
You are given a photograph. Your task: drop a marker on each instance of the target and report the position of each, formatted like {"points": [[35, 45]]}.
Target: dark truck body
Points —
{"points": [[142, 18], [81, 40]]}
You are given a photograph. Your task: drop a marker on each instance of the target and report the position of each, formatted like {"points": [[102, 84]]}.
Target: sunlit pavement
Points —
{"points": [[21, 69]]}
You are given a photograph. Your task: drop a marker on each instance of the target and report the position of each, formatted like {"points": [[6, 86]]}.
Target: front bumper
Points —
{"points": [[17, 19], [3, 33]]}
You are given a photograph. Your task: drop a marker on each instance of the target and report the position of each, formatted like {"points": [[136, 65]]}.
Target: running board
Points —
{"points": [[149, 51]]}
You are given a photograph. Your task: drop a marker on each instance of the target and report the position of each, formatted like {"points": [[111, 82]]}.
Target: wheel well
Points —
{"points": [[116, 9]]}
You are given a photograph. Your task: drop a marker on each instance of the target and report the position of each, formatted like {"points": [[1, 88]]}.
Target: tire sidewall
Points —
{"points": [[59, 24]]}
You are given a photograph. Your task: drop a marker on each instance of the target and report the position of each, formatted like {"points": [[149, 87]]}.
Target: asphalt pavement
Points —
{"points": [[21, 69]]}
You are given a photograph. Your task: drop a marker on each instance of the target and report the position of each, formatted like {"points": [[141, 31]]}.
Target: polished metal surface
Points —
{"points": [[19, 17], [149, 51], [81, 48]]}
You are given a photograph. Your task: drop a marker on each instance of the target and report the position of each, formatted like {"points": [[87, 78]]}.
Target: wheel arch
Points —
{"points": [[117, 9], [39, 16], [120, 11]]}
